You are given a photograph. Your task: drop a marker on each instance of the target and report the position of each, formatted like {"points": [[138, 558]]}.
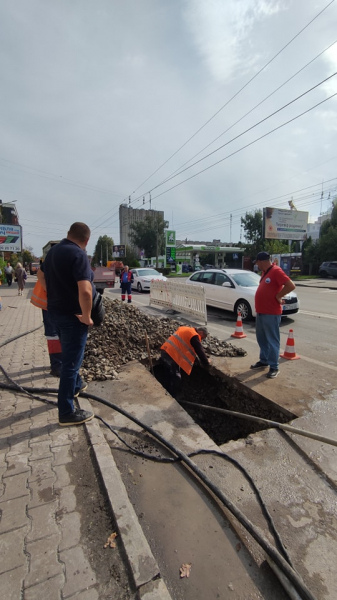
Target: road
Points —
{"points": [[314, 326]]}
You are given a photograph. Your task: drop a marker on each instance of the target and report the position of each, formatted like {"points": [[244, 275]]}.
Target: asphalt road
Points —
{"points": [[314, 327]]}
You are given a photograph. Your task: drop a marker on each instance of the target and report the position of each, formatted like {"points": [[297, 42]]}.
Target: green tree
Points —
{"points": [[131, 258], [148, 235], [328, 244], [28, 256], [252, 226], [103, 250]]}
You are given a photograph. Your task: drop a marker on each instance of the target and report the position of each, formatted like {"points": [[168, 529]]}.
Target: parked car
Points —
{"points": [[142, 278], [328, 269], [234, 290]]}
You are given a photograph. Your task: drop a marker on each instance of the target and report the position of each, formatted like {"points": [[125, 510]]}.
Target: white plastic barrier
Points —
{"points": [[184, 298]]}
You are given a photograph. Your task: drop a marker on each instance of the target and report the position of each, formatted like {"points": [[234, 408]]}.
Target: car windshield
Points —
{"points": [[144, 272], [246, 279]]}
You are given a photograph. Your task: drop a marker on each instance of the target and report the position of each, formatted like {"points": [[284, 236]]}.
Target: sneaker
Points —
{"points": [[258, 365], [77, 417], [82, 389], [272, 373]]}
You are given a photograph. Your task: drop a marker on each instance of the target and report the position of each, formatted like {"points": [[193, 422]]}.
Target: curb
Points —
{"points": [[143, 566]]}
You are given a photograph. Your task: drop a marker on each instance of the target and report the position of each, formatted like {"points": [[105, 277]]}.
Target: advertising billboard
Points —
{"points": [[170, 237], [283, 224], [10, 238], [118, 251]]}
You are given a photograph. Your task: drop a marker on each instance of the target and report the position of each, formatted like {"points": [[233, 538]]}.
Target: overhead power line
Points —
{"points": [[246, 131], [246, 145], [252, 109], [236, 94]]}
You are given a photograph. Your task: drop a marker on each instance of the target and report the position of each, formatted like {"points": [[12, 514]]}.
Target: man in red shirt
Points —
{"points": [[274, 284]]}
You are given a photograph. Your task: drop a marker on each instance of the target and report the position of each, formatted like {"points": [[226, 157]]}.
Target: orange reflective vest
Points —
{"points": [[39, 296], [178, 347]]}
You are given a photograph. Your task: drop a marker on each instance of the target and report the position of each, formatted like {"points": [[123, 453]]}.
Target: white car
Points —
{"points": [[234, 290], [142, 278]]}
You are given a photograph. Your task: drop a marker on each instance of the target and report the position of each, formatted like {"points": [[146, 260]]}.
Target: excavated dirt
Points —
{"points": [[122, 338]]}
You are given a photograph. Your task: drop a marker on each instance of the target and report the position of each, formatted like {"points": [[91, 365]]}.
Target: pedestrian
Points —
{"points": [[53, 344], [179, 352], [9, 273], [20, 276], [39, 299], [66, 275], [126, 279], [274, 284]]}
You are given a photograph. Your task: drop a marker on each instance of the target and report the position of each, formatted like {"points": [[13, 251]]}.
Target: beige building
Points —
{"points": [[128, 216]]}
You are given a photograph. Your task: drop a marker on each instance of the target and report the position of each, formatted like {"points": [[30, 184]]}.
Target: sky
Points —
{"points": [[105, 102]]}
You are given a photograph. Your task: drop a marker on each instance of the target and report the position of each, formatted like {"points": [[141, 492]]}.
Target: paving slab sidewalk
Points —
{"points": [[41, 552]]}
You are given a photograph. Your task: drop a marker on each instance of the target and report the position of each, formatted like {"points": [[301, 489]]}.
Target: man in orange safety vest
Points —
{"points": [[179, 352]]}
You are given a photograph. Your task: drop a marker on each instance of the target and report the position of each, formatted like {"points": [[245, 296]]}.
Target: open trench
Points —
{"points": [[202, 387]]}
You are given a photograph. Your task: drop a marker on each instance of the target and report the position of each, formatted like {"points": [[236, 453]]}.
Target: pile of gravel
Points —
{"points": [[122, 338]]}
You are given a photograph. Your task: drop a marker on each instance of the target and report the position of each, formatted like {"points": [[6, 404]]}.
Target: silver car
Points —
{"points": [[234, 290]]}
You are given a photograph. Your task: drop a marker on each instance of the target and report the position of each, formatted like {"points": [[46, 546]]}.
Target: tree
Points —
{"points": [[28, 256], [149, 235], [252, 226], [103, 250], [131, 258]]}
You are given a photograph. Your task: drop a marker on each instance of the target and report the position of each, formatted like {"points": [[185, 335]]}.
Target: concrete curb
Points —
{"points": [[144, 568]]}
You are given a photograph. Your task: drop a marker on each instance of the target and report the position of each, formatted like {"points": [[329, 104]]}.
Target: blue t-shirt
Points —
{"points": [[66, 264]]}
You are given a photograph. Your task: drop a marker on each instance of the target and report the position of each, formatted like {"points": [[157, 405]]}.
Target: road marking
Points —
{"points": [[313, 314]]}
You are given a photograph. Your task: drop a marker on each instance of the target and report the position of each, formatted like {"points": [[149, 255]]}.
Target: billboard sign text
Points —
{"points": [[283, 224]]}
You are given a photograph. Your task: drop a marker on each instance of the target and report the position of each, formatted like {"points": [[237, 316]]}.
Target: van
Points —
{"points": [[34, 267]]}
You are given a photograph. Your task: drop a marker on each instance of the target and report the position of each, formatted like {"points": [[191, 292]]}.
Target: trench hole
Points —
{"points": [[203, 388]]}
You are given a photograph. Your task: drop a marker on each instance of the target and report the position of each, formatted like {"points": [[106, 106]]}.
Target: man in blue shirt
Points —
{"points": [[66, 275]]}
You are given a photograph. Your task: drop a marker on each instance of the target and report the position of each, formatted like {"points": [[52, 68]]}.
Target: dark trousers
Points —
{"points": [[126, 289], [53, 342], [172, 381], [9, 278], [73, 336]]}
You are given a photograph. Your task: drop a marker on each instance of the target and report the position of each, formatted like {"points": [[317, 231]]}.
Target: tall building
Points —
{"points": [[128, 216]]}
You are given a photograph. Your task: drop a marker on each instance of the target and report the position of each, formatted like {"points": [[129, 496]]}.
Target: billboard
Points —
{"points": [[283, 224], [10, 238], [118, 251], [170, 238]]}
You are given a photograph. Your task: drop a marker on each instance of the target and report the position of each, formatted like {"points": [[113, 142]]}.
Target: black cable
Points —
{"points": [[273, 553]]}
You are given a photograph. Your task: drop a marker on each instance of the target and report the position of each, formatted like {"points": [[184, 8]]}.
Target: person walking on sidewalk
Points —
{"points": [[66, 275], [126, 279], [9, 273], [179, 352], [20, 276], [274, 284]]}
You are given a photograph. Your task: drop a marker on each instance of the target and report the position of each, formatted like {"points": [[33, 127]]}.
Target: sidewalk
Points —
{"points": [[49, 544]]}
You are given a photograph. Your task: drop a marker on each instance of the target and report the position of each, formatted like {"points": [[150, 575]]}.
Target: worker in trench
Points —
{"points": [[180, 352]]}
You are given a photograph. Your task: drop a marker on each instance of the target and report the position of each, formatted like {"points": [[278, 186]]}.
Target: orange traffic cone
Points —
{"points": [[238, 329], [289, 352]]}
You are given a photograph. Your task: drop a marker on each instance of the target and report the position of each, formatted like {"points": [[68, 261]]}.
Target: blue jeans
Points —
{"points": [[268, 338], [73, 336]]}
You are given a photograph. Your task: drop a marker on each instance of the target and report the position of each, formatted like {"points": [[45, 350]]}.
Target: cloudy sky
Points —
{"points": [[102, 100]]}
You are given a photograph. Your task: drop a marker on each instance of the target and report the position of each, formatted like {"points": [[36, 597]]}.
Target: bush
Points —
{"points": [[164, 271]]}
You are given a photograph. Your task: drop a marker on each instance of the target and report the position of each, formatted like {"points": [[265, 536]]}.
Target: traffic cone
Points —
{"points": [[238, 329], [289, 352]]}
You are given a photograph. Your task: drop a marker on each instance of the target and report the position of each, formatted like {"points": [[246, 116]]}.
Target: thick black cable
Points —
{"points": [[237, 93], [274, 554], [161, 459]]}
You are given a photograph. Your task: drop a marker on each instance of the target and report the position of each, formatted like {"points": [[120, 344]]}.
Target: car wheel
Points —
{"points": [[244, 308], [139, 287], [323, 274]]}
